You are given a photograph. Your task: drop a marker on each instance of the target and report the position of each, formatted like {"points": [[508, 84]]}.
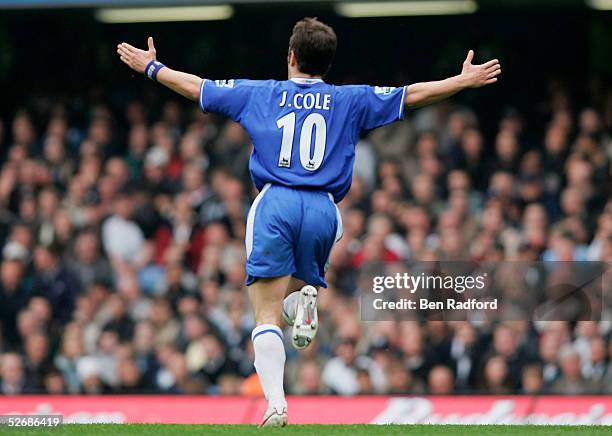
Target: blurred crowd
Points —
{"points": [[122, 249]]}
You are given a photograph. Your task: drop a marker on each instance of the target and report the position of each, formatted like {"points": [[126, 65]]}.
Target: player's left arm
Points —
{"points": [[472, 76], [188, 85]]}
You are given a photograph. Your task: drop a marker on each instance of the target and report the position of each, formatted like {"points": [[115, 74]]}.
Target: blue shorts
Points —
{"points": [[291, 232]]}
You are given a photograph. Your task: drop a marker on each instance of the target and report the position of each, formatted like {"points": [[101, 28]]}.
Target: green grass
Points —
{"points": [[309, 430]]}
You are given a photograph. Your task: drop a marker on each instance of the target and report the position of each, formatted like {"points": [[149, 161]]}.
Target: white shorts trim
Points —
{"points": [[201, 99], [339, 228], [248, 238], [402, 104], [339, 231]]}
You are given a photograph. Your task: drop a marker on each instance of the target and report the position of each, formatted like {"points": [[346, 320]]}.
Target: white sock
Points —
{"points": [[290, 304], [270, 362]]}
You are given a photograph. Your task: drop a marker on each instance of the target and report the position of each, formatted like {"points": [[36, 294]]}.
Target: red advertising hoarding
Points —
{"points": [[585, 410]]}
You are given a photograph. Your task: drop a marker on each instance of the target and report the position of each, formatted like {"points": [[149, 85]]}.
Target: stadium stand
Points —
{"points": [[122, 264]]}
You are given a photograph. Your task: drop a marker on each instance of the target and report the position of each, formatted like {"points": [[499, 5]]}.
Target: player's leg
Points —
{"points": [[291, 299], [300, 311], [270, 264], [266, 296], [321, 228]]}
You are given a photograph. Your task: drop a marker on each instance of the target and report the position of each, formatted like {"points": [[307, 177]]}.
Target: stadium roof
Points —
{"points": [[489, 4]]}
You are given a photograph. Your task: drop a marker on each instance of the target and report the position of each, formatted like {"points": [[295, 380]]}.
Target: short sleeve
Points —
{"points": [[381, 105], [226, 97]]}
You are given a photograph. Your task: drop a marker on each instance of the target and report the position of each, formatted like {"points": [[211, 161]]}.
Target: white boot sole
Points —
{"points": [[306, 321]]}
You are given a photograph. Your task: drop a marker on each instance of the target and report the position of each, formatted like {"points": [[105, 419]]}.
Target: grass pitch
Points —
{"points": [[308, 430]]}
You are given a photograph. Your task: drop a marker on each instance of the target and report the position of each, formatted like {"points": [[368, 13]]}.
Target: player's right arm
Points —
{"points": [[188, 85], [225, 97]]}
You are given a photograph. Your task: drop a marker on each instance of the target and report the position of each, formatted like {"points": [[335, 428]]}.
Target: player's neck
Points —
{"points": [[296, 74], [304, 76]]}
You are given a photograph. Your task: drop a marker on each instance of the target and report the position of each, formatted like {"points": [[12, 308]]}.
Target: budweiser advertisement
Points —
{"points": [[585, 410]]}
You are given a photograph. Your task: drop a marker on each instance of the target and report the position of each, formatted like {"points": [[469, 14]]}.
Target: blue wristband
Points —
{"points": [[152, 69]]}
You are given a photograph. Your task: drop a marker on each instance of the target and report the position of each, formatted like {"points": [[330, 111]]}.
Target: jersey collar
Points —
{"points": [[305, 80]]}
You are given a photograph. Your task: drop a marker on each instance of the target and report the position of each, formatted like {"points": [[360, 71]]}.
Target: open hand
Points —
{"points": [[135, 58], [476, 76]]}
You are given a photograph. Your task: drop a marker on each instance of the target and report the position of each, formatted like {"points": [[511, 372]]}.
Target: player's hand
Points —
{"points": [[135, 58], [476, 76]]}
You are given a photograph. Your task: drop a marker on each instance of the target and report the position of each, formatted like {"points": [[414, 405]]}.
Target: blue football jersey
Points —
{"points": [[304, 131]]}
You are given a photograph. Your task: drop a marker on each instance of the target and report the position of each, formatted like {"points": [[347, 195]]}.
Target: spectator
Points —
{"points": [[55, 282], [13, 297], [67, 360], [308, 379], [88, 370], [88, 262], [341, 373], [12, 377], [54, 383], [174, 377], [130, 380], [463, 352], [531, 380], [506, 345], [36, 350], [549, 346], [495, 378], [441, 381], [123, 240], [596, 364], [571, 381], [401, 381]]}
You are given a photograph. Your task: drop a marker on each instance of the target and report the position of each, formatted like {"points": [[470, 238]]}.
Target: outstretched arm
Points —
{"points": [[188, 85], [472, 76]]}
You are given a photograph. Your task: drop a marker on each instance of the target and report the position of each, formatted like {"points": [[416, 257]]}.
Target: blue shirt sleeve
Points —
{"points": [[226, 97], [381, 105]]}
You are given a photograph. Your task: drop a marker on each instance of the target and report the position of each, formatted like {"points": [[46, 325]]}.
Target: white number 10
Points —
{"points": [[310, 161]]}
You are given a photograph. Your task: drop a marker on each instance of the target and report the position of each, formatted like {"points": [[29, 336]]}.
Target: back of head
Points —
{"points": [[314, 44]]}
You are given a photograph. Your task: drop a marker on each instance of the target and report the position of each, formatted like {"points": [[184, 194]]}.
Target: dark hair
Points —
{"points": [[314, 44]]}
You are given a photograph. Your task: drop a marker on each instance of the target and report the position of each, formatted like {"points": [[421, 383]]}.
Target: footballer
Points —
{"points": [[304, 132]]}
